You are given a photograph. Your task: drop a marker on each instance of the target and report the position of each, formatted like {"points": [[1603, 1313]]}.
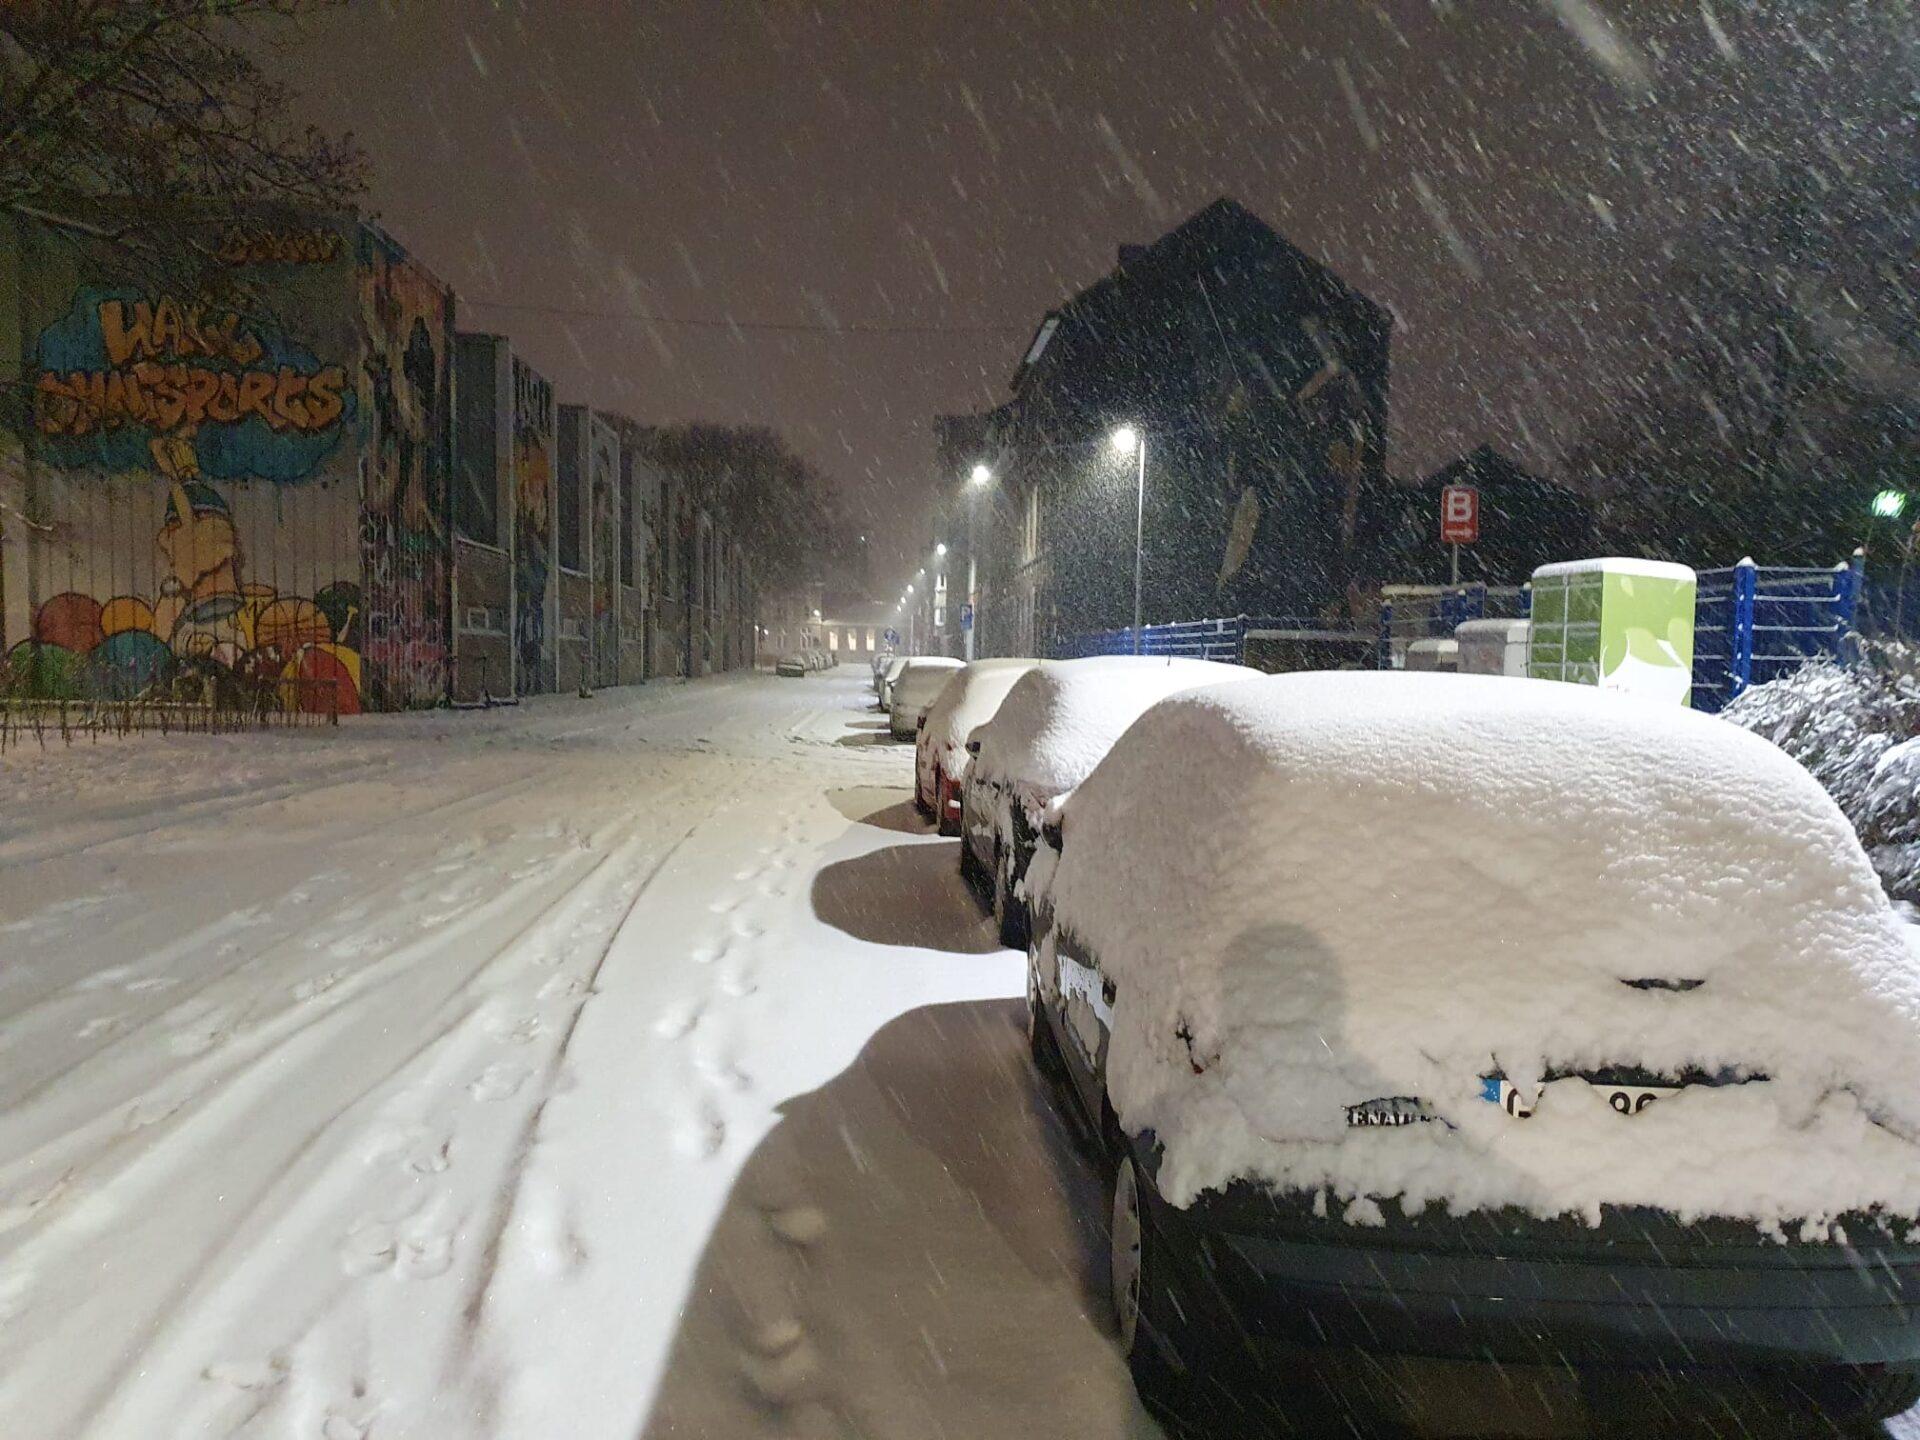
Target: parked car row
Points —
{"points": [[1439, 1027], [804, 661]]}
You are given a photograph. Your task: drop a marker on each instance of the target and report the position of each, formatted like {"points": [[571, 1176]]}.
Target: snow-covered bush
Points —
{"points": [[1853, 728]]}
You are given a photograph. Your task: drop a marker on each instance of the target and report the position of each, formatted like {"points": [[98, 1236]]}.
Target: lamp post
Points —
{"points": [[1129, 441], [976, 482]]}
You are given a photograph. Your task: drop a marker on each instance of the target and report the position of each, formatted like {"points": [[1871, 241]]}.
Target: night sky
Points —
{"points": [[1502, 175]]}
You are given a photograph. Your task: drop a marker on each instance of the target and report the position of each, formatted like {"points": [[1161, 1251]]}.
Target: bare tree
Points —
{"points": [[119, 118]]}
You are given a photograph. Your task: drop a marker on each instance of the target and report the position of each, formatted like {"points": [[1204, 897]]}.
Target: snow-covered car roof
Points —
{"points": [[922, 680], [1058, 721], [1322, 889], [897, 664], [967, 703]]}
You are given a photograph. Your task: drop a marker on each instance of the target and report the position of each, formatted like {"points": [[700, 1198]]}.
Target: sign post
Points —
{"points": [[1459, 520]]}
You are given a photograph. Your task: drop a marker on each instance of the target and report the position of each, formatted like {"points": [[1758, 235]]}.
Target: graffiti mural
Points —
{"points": [[533, 461], [176, 438], [406, 416], [603, 479]]}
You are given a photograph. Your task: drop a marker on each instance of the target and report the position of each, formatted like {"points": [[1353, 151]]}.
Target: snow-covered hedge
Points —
{"points": [[1853, 727], [1323, 892]]}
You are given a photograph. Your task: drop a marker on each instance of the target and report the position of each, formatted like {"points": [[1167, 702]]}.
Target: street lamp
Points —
{"points": [[981, 475], [1889, 504], [941, 548], [1129, 441]]}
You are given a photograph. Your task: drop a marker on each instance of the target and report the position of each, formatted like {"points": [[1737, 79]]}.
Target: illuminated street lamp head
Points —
{"points": [[941, 548], [981, 474], [909, 589], [1125, 439], [1889, 504]]}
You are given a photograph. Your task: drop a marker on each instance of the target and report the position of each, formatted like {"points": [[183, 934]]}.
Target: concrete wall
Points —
{"points": [[482, 622], [572, 645], [256, 491], [633, 636]]}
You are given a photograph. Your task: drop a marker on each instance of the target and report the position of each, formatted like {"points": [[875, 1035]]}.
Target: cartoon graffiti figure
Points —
{"points": [[200, 600]]}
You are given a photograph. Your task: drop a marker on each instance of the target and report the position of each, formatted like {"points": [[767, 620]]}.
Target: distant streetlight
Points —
{"points": [[1889, 504], [981, 475], [941, 548], [909, 589], [1129, 441]]}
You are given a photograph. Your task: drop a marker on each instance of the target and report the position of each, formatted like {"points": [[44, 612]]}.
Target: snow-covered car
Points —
{"points": [[1495, 1023], [793, 666], [884, 690], [915, 689], [940, 750], [1048, 734]]}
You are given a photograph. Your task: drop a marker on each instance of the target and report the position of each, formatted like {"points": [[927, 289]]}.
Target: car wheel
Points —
{"points": [[1040, 1042], [969, 862], [1008, 910], [1150, 1324]]}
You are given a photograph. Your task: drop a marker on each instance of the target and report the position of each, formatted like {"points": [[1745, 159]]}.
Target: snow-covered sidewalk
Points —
{"points": [[634, 1066]]}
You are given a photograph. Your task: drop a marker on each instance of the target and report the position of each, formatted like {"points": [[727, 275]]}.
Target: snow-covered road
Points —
{"points": [[630, 1067], [636, 1066]]}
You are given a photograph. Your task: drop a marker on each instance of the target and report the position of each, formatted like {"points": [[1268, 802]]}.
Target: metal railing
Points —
{"points": [[1755, 623]]}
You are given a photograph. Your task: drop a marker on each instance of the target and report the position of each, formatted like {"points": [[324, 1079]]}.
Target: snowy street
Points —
{"points": [[630, 1067]]}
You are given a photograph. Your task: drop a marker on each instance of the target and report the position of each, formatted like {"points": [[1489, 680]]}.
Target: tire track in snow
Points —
{"points": [[472, 1312], [222, 1106]]}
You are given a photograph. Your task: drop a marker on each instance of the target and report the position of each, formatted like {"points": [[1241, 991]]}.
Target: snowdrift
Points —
{"points": [[1315, 891]]}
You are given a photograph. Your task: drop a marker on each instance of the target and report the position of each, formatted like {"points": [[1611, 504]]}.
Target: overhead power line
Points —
{"points": [[723, 322]]}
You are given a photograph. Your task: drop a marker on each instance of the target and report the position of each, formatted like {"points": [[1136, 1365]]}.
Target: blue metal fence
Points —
{"points": [[1755, 623], [1195, 639]]}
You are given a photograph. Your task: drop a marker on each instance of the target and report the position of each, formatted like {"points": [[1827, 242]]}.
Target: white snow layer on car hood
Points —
{"points": [[965, 705], [1058, 721], [1353, 886]]}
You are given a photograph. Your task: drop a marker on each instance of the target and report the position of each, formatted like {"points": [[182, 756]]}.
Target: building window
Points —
{"points": [[833, 639]]}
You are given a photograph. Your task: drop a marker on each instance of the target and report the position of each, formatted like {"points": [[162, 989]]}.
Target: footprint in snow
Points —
{"points": [[523, 1031], [369, 1248], [344, 1427], [99, 1025], [677, 1019], [211, 1033], [248, 1374], [701, 1134], [314, 986], [499, 1081], [562, 987], [746, 929], [423, 1256], [150, 984]]}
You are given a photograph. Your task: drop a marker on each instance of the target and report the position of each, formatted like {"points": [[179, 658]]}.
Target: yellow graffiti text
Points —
{"points": [[171, 397]]}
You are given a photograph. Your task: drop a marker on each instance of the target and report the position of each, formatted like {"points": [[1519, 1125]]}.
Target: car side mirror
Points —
{"points": [[973, 747]]}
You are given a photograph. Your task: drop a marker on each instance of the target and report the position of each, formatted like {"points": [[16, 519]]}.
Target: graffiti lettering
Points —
{"points": [[280, 247], [174, 330], [173, 397]]}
